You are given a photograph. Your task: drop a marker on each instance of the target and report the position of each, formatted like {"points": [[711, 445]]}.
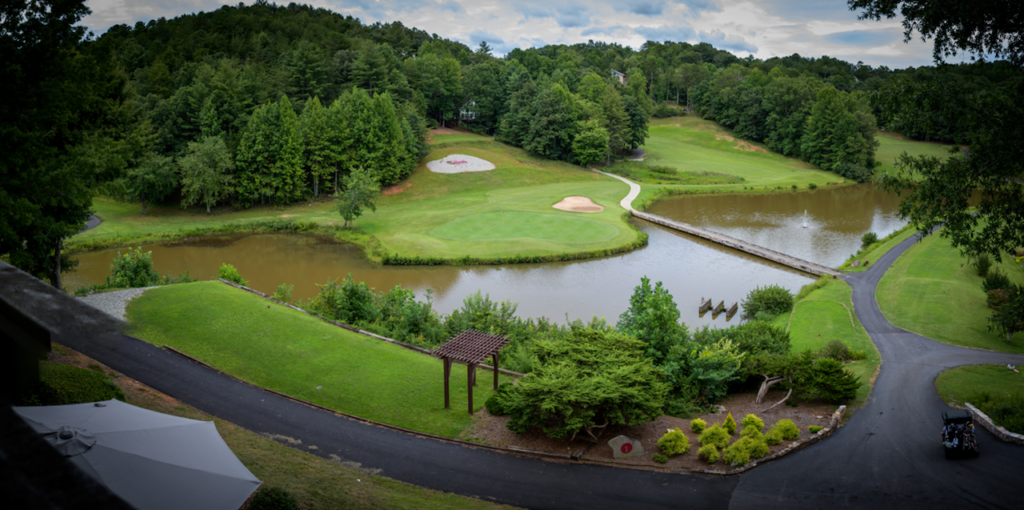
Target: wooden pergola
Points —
{"points": [[470, 347]]}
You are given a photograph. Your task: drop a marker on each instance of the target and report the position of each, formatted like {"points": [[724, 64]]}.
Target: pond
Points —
{"points": [[690, 268], [835, 219]]}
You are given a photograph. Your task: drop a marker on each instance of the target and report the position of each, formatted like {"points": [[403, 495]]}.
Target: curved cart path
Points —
{"points": [[887, 455]]}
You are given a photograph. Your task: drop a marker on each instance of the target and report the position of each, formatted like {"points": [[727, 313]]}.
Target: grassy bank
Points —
{"points": [[994, 389], [933, 291], [891, 146], [314, 481], [870, 254], [281, 349], [824, 312]]}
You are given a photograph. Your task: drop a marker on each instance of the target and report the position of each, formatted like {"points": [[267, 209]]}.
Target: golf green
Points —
{"points": [[512, 225]]}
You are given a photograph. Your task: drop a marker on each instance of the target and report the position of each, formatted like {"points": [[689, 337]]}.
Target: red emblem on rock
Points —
{"points": [[627, 447]]}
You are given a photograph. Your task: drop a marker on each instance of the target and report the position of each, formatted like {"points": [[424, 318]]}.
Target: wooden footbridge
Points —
{"points": [[722, 239]]}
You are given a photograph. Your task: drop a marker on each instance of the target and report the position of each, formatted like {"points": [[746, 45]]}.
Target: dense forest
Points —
{"points": [[270, 104]]}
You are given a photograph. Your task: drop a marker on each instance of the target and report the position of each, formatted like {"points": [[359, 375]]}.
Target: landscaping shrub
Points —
{"points": [[698, 425], [757, 447], [283, 293], [812, 186], [788, 429], [495, 404], [868, 239], [773, 437], [771, 299], [738, 453], [853, 171], [715, 436], [814, 429], [982, 264], [708, 453], [995, 280], [828, 381], [273, 498], [229, 273], [730, 425], [996, 298], [674, 442], [583, 377], [64, 384], [751, 423], [659, 458], [836, 350], [133, 269]]}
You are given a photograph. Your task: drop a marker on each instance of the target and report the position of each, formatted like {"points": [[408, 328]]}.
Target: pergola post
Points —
{"points": [[447, 375], [471, 381], [495, 371]]}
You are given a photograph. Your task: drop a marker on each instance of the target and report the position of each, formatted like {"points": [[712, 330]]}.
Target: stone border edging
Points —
{"points": [[354, 329], [1000, 432]]}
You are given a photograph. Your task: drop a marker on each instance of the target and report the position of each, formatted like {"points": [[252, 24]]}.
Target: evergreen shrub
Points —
{"points": [[674, 442], [814, 429], [698, 425], [995, 280], [229, 273], [788, 429], [273, 498], [982, 264], [659, 458], [714, 435], [752, 423], [773, 437], [771, 299], [868, 239], [737, 454], [708, 453], [730, 424]]}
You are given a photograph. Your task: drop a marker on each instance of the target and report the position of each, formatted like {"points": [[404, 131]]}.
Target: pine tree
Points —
{"points": [[318, 153]]}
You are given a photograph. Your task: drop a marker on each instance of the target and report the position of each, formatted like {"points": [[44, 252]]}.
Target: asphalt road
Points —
{"points": [[887, 455]]}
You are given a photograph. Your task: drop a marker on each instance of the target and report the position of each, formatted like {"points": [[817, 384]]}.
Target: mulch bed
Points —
{"points": [[491, 430]]}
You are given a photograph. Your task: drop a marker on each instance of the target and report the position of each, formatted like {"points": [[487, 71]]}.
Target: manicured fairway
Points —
{"points": [[820, 317], [891, 146], [498, 226], [931, 290], [961, 384], [281, 349]]}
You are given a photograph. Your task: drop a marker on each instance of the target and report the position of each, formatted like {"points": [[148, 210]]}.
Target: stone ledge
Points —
{"points": [[996, 430]]}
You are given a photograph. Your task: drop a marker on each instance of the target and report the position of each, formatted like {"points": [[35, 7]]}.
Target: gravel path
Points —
{"points": [[114, 303]]}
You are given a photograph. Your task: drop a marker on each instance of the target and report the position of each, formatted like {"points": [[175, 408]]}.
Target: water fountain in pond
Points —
{"points": [[805, 218]]}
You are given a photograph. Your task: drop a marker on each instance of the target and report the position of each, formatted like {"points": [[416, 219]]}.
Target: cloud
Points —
{"points": [[450, 5], [529, 11], [864, 37], [643, 7], [720, 40], [666, 33], [572, 16], [497, 44], [602, 30]]}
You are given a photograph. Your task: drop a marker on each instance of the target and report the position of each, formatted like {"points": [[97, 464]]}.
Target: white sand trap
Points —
{"points": [[578, 204], [458, 163]]}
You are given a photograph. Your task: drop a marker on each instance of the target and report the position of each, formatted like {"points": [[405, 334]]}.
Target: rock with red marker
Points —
{"points": [[624, 447]]}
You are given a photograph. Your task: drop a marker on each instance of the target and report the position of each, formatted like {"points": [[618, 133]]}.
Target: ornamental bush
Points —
{"points": [[659, 458], [751, 423], [995, 280], [868, 239], [730, 425], [674, 442], [714, 435], [788, 429], [814, 429], [836, 350], [273, 498], [773, 437], [698, 425], [708, 453], [229, 273], [982, 264], [495, 403], [133, 269], [772, 299], [737, 453]]}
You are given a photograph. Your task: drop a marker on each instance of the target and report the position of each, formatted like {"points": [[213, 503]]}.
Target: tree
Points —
{"points": [[1009, 318], [269, 156], [319, 154], [638, 119], [58, 105], [938, 192], [591, 142], [616, 121], [205, 172], [151, 181], [986, 28], [653, 318], [360, 190], [583, 379]]}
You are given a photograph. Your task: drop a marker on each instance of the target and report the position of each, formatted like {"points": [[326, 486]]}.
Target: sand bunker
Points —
{"points": [[458, 163], [578, 204]]}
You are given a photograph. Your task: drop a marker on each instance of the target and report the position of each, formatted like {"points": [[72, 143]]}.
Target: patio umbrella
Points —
{"points": [[149, 459]]}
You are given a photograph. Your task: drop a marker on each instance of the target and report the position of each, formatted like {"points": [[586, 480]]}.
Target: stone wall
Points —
{"points": [[996, 430]]}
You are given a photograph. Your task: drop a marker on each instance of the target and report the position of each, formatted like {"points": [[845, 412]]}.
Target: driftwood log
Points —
{"points": [[590, 432]]}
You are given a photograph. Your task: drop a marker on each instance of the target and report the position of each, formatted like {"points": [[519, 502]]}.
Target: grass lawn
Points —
{"points": [[964, 384], [931, 290], [891, 146], [315, 482], [281, 349], [820, 317], [872, 253], [457, 138]]}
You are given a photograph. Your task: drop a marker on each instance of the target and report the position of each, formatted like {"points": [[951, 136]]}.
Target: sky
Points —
{"points": [[763, 28]]}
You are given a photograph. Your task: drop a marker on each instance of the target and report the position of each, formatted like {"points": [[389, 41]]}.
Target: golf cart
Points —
{"points": [[958, 434]]}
